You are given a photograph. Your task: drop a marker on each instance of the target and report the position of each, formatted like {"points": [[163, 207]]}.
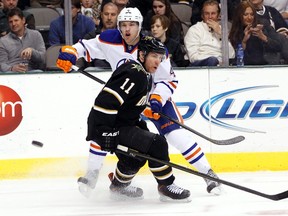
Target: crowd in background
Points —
{"points": [[259, 27]]}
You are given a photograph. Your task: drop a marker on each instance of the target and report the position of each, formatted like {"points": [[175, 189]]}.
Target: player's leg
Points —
{"points": [[192, 152], [96, 157], [157, 147], [95, 160], [120, 187], [183, 140], [163, 174]]}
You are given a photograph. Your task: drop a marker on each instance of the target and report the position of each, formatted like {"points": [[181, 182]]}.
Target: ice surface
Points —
{"points": [[60, 197]]}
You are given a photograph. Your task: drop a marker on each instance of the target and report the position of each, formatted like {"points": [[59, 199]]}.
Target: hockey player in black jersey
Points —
{"points": [[114, 120]]}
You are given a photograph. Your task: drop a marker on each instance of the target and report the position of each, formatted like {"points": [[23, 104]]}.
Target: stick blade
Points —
{"points": [[279, 196], [228, 141]]}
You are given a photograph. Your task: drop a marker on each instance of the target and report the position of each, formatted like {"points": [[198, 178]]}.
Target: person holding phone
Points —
{"points": [[258, 40]]}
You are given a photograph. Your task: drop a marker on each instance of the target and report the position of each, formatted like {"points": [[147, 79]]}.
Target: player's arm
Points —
{"points": [[68, 55], [165, 81]]}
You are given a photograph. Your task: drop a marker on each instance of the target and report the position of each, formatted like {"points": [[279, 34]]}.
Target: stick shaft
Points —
{"points": [[130, 152], [218, 142]]}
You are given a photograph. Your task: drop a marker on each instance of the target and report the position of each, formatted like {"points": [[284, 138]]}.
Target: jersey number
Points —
{"points": [[123, 87]]}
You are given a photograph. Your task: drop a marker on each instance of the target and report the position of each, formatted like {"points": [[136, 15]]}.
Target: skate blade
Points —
{"points": [[217, 191], [163, 198], [121, 197], [84, 189]]}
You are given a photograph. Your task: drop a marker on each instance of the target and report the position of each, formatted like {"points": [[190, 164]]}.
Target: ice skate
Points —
{"points": [[126, 192], [172, 193], [88, 182], [213, 187], [119, 191]]}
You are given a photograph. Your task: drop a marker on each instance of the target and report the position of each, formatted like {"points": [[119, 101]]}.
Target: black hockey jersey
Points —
{"points": [[123, 98]]}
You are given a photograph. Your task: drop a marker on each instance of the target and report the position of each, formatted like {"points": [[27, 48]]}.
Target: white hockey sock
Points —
{"points": [[96, 157], [192, 152]]}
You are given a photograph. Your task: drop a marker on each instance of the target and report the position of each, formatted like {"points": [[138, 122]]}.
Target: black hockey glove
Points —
{"points": [[107, 138]]}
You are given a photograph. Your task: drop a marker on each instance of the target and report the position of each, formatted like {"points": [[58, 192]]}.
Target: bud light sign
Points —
{"points": [[10, 110]]}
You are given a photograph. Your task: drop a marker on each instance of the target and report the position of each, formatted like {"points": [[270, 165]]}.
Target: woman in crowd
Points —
{"points": [[163, 7], [260, 42], [159, 27]]}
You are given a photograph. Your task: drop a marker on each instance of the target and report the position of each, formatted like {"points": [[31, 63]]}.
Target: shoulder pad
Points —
{"points": [[111, 36]]}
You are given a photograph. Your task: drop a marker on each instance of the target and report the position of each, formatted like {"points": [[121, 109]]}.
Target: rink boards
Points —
{"points": [[221, 103]]}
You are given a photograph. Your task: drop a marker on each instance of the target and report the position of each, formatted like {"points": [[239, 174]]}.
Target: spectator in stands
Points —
{"points": [[203, 40], [120, 4], [81, 25], [46, 3], [163, 7], [267, 15], [91, 8], [109, 13], [198, 5], [270, 14], [142, 5], [22, 49], [159, 27], [280, 5], [4, 26], [258, 41]]}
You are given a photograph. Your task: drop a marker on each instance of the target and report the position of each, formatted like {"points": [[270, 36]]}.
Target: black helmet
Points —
{"points": [[151, 44]]}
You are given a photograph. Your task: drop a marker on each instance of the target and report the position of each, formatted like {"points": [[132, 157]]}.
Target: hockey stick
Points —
{"points": [[231, 141], [133, 153], [217, 142]]}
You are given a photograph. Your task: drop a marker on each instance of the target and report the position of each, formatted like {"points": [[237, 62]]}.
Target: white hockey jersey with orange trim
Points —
{"points": [[110, 46]]}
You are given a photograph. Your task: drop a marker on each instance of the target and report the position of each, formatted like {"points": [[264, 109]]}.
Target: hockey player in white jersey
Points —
{"points": [[116, 46]]}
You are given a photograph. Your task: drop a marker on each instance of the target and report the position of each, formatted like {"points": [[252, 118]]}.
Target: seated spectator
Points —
{"points": [[267, 15], [109, 13], [198, 5], [163, 7], [281, 6], [22, 49], [120, 4], [46, 3], [203, 40], [258, 41], [81, 25], [4, 26], [91, 8], [159, 27]]}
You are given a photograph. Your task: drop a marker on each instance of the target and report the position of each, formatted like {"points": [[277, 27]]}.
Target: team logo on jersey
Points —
{"points": [[137, 67], [122, 61]]}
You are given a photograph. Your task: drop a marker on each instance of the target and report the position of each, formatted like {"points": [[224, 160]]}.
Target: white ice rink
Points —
{"points": [[60, 197]]}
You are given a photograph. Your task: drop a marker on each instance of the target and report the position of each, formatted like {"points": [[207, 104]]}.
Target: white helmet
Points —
{"points": [[130, 14]]}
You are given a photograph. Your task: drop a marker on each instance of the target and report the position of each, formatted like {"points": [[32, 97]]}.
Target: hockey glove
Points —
{"points": [[155, 103], [107, 138], [150, 114], [67, 57]]}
